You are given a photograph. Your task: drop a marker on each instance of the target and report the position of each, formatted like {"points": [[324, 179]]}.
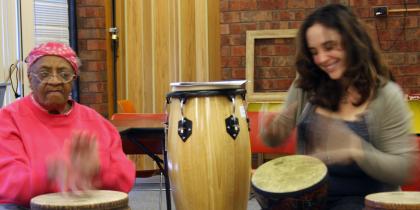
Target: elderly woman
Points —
{"points": [[50, 143]]}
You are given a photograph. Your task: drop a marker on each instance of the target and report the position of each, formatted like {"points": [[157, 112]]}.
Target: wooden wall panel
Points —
{"points": [[167, 41], [187, 40]]}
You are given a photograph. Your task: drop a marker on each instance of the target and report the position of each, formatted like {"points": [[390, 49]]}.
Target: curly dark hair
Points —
{"points": [[365, 70]]}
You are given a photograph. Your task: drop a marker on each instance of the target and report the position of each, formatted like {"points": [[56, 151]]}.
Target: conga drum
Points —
{"points": [[398, 200], [291, 182], [208, 146], [91, 200]]}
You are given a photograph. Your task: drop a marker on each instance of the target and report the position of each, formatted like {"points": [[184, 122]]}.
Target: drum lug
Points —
{"points": [[232, 126], [184, 128]]}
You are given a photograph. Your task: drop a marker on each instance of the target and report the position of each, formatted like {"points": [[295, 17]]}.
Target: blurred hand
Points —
{"points": [[275, 128], [75, 173], [332, 141]]}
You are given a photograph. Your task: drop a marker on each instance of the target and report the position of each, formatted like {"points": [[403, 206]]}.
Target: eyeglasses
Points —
{"points": [[64, 77]]}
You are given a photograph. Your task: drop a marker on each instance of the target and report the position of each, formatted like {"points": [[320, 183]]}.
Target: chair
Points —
{"points": [[258, 147], [414, 185], [2, 93]]}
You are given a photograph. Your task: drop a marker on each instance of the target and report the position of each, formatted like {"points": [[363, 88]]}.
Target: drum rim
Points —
{"points": [[184, 93], [113, 204], [373, 203]]}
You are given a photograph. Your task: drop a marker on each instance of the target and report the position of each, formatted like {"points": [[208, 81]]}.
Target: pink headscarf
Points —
{"points": [[56, 49]]}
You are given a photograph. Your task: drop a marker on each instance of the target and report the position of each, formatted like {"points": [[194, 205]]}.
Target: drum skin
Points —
{"points": [[210, 170], [92, 200], [398, 200], [294, 182]]}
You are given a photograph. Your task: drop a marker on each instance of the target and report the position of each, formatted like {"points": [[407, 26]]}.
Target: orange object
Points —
{"points": [[126, 106]]}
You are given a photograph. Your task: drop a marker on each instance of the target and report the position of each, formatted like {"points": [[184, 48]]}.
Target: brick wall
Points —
{"points": [[92, 52], [273, 71]]}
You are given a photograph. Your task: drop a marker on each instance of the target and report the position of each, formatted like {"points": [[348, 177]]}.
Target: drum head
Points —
{"points": [[94, 199], [408, 200], [289, 174]]}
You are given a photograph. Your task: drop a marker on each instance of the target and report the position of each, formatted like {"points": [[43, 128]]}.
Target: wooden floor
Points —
{"points": [[145, 196]]}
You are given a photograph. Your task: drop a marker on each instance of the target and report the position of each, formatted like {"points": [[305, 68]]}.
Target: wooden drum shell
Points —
{"points": [[210, 170]]}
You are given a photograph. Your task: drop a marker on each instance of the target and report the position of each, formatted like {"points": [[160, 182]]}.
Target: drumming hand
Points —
{"points": [[84, 161], [75, 172], [333, 142], [274, 129]]}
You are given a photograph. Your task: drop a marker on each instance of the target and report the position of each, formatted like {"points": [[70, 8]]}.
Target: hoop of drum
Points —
{"points": [[209, 162]]}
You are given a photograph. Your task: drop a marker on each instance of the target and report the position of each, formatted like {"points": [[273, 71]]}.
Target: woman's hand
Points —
{"points": [[76, 171], [333, 142], [275, 128]]}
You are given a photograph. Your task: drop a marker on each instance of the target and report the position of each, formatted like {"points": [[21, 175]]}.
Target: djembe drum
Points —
{"points": [[397, 200], [209, 154], [291, 182], [91, 200]]}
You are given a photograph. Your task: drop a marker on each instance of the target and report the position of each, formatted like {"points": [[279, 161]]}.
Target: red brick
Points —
{"points": [[413, 70], [224, 61], [224, 29], [90, 12], [95, 66], [294, 24], [92, 55], [238, 51], [91, 34], [256, 16], [362, 12], [358, 3], [96, 44], [224, 39], [90, 2], [92, 76], [227, 73], [237, 39], [230, 17], [265, 50], [300, 4], [224, 5], [234, 62], [225, 51], [91, 23], [283, 61], [394, 58], [263, 61], [239, 28], [243, 5], [238, 73], [283, 50], [97, 87], [271, 4], [101, 109]]}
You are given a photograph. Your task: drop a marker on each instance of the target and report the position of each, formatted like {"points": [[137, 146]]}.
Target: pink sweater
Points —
{"points": [[28, 135]]}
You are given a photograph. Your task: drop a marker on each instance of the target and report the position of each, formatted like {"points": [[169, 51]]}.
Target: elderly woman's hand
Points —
{"points": [[76, 172]]}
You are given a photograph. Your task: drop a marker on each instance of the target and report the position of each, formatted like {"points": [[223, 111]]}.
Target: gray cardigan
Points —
{"points": [[392, 153]]}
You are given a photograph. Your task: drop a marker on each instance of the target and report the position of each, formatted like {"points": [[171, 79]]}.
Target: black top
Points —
{"points": [[344, 180]]}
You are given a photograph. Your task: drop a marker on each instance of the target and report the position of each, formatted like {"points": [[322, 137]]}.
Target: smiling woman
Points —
{"points": [[347, 110]]}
